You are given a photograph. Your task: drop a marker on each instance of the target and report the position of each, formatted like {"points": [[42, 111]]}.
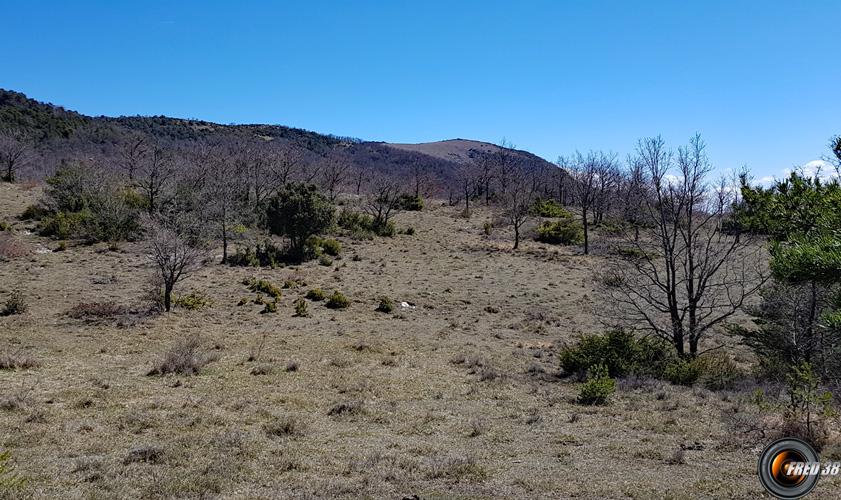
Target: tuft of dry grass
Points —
{"points": [[17, 360], [187, 357]]}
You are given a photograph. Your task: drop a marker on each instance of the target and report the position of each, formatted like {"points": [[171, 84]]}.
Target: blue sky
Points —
{"points": [[759, 80]]}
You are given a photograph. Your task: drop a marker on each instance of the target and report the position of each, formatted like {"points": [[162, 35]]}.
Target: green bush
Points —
{"points": [[264, 286], [488, 228], [718, 371], [350, 220], [298, 212], [549, 208], [270, 307], [337, 301], [565, 231], [85, 203], [682, 372], [301, 308], [64, 225], [325, 261], [316, 294], [386, 305], [598, 388], [35, 212], [331, 247], [262, 255], [410, 202], [620, 352], [5, 226], [293, 283], [384, 228], [192, 301]]}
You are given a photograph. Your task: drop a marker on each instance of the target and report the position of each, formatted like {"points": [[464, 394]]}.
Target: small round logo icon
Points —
{"points": [[789, 468]]}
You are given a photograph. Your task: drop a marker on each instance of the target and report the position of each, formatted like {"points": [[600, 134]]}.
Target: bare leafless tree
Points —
{"points": [[383, 199], [15, 152], [634, 189], [608, 174], [333, 173], [419, 173], [584, 171], [154, 176], [228, 179], [505, 163], [517, 199], [361, 173], [175, 252], [687, 275], [132, 153]]}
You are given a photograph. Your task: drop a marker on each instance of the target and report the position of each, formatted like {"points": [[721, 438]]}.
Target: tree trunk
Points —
{"points": [[224, 245], [586, 231], [516, 236], [167, 297]]}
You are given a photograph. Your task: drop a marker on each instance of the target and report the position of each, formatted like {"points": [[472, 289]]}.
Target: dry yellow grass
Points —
{"points": [[344, 403]]}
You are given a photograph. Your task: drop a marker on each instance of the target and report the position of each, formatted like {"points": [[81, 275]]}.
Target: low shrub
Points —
{"points": [[11, 484], [316, 294], [281, 427], [293, 283], [186, 357], [611, 226], [410, 231], [96, 310], [598, 388], [5, 226], [264, 286], [386, 305], [566, 231], [682, 372], [15, 304], [331, 247], [266, 254], [301, 309], [410, 202], [718, 371], [620, 352], [270, 307], [385, 228], [17, 360], [337, 301], [192, 301], [488, 228], [12, 248], [549, 208], [351, 221], [325, 261], [64, 225], [35, 212]]}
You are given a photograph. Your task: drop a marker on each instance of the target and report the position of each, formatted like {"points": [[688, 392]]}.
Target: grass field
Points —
{"points": [[456, 396]]}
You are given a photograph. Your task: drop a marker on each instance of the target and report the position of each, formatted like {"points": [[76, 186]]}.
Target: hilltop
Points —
{"points": [[60, 132]]}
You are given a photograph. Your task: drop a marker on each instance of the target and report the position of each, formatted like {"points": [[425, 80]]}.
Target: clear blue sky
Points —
{"points": [[759, 80]]}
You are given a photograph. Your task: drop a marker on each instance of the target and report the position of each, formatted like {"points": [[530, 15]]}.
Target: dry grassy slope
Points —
{"points": [[89, 403]]}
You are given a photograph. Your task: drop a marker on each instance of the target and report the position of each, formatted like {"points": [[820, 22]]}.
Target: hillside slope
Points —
{"points": [[60, 133]]}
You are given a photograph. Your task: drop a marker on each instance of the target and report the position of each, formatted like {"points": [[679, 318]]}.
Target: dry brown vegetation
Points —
{"points": [[455, 397]]}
